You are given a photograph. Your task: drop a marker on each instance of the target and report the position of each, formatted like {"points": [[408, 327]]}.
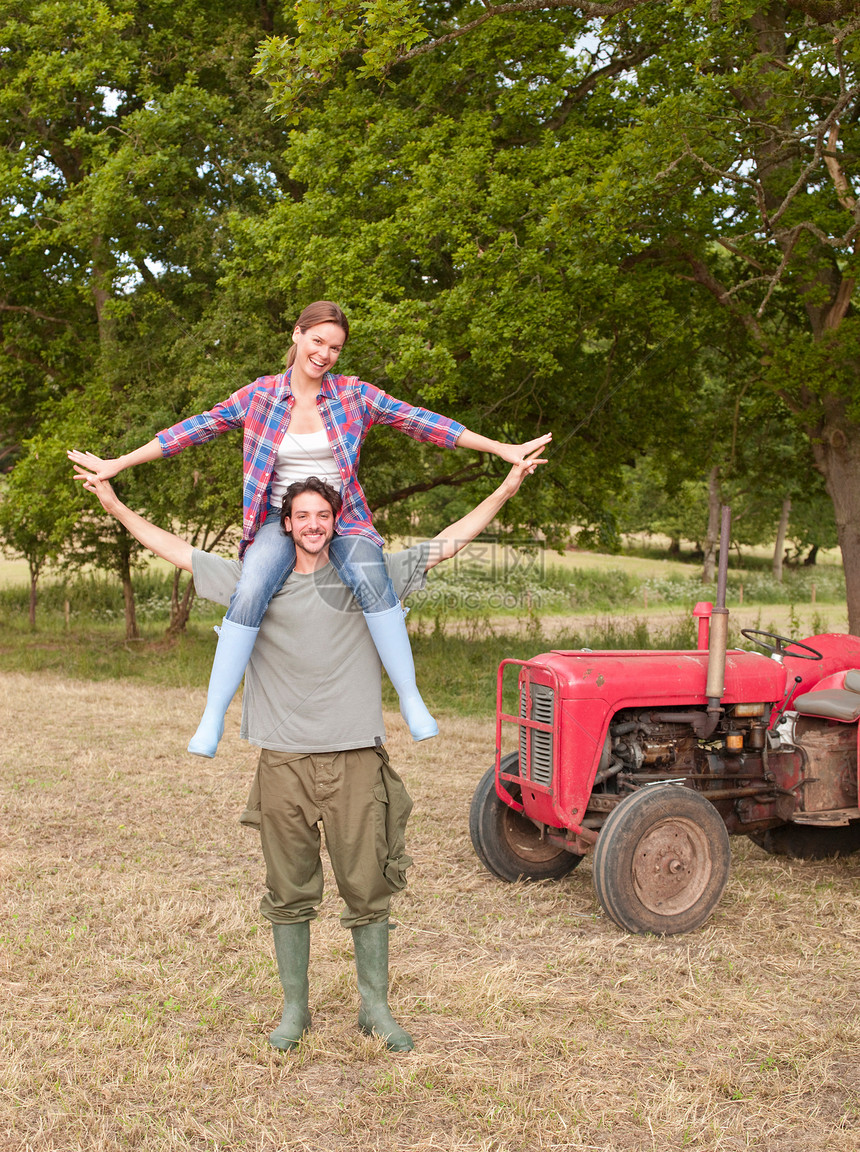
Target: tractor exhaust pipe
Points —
{"points": [[719, 631]]}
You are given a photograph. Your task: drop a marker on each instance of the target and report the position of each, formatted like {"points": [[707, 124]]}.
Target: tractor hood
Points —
{"points": [[631, 678], [647, 678]]}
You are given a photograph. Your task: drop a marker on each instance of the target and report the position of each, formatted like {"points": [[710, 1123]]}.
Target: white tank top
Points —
{"points": [[299, 455]]}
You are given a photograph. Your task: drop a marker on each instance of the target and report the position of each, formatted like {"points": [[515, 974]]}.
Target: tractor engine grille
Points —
{"points": [[537, 702]]}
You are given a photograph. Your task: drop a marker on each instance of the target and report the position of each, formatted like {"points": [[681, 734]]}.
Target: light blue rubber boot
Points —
{"points": [[235, 645], [292, 948], [371, 966], [388, 630]]}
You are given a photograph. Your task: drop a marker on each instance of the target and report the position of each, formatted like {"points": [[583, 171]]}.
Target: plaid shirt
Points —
{"points": [[348, 408]]}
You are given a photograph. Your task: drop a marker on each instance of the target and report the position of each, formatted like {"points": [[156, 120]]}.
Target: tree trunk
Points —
{"points": [[35, 569], [837, 454], [131, 630], [102, 285], [781, 533], [180, 608], [712, 538]]}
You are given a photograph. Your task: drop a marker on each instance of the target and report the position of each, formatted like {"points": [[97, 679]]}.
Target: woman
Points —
{"points": [[307, 422]]}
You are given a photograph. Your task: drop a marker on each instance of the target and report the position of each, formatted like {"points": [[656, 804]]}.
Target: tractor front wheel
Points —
{"points": [[661, 861], [508, 844]]}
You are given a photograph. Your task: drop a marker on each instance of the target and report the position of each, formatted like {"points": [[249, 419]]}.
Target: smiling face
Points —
{"points": [[311, 524], [317, 349]]}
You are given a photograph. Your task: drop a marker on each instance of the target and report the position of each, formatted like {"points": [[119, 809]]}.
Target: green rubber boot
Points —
{"points": [[292, 948], [371, 964]]}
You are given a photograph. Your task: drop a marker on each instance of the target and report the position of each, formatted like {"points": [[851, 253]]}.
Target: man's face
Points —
{"points": [[311, 523]]}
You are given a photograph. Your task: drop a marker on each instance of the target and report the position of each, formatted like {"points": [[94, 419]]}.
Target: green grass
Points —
{"points": [[97, 598], [457, 671], [459, 590], [456, 641], [91, 644], [512, 585], [100, 653]]}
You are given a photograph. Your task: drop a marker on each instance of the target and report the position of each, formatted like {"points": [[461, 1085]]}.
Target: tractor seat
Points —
{"points": [[852, 680], [832, 703]]}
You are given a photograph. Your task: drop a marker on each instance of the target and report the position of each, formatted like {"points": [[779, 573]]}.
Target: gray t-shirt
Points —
{"points": [[314, 680]]}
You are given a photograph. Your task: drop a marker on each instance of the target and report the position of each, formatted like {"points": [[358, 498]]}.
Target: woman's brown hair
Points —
{"points": [[320, 312]]}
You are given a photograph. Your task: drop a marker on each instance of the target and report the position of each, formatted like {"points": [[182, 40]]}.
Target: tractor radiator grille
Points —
{"points": [[537, 702]]}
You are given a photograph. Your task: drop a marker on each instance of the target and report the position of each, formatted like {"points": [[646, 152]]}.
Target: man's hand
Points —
{"points": [[165, 544], [100, 488], [105, 469], [94, 465], [525, 467], [456, 536]]}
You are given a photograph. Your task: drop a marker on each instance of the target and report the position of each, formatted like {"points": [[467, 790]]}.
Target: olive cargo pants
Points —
{"points": [[363, 806]]}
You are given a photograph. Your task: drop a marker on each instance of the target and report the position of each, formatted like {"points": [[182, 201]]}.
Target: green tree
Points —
{"points": [[744, 155], [131, 130], [36, 518], [431, 211], [608, 159]]}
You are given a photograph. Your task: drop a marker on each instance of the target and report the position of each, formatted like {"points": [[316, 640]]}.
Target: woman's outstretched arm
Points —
{"points": [[223, 417], [423, 425], [457, 535], [512, 453], [105, 469]]}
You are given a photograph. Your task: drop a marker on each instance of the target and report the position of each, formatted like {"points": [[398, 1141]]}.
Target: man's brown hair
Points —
{"points": [[312, 484]]}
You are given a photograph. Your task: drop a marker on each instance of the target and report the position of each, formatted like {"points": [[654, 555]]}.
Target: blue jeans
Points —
{"points": [[272, 556]]}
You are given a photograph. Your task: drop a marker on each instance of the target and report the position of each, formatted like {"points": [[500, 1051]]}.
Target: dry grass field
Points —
{"points": [[139, 983]]}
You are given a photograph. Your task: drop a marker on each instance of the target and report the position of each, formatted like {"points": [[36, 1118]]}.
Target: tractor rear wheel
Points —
{"points": [[661, 861], [508, 844], [809, 842]]}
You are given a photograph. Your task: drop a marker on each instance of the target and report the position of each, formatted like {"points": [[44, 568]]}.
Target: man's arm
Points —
{"points": [[164, 544], [456, 536]]}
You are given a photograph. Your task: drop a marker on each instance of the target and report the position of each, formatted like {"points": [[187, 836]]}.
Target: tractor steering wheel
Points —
{"points": [[782, 642]]}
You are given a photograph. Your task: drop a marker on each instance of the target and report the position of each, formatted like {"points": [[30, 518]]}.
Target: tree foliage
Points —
{"points": [[36, 518], [631, 223], [435, 209], [131, 130], [680, 174]]}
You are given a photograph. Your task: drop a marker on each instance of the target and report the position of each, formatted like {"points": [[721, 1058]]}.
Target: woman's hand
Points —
{"points": [[105, 469], [100, 469], [516, 453], [512, 453], [456, 536]]}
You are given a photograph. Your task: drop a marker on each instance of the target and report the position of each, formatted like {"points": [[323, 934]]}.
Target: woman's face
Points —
{"points": [[317, 349]]}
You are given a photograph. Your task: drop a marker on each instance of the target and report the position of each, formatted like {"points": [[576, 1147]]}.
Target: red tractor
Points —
{"points": [[652, 759]]}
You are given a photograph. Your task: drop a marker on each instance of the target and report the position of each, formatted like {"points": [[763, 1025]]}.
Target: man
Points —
{"points": [[312, 702]]}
